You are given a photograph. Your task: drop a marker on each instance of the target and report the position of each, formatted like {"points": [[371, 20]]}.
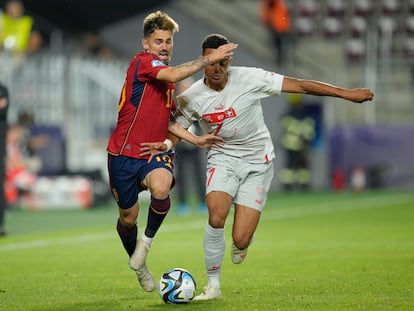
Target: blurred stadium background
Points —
{"points": [[73, 93]]}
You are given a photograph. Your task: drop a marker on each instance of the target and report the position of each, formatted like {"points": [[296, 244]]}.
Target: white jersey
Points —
{"points": [[235, 113]]}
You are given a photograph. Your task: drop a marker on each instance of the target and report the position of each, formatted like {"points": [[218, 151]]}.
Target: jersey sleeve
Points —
{"points": [[149, 68], [268, 83], [274, 83], [259, 81]]}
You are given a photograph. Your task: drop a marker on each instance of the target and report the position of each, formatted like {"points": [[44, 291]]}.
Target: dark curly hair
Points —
{"points": [[213, 41]]}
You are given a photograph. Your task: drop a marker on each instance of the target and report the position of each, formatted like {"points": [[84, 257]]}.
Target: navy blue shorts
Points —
{"points": [[127, 174]]}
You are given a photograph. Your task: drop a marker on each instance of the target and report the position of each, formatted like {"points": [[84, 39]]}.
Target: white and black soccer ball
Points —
{"points": [[177, 286]]}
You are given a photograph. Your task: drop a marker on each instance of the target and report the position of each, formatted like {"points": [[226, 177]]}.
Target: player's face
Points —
{"points": [[160, 43], [216, 74]]}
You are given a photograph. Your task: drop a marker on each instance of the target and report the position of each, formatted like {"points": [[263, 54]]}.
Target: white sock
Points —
{"points": [[214, 247], [146, 239]]}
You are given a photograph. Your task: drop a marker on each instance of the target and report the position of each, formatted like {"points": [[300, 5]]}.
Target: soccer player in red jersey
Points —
{"points": [[145, 105]]}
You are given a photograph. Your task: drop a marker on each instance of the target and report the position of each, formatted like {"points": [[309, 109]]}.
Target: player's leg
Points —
{"points": [[222, 184], [245, 223], [125, 192], [218, 204], [249, 202], [125, 188], [128, 231], [159, 183], [158, 177], [127, 227]]}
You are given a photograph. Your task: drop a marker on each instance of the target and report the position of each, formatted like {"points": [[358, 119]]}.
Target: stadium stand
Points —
{"points": [[335, 8]]}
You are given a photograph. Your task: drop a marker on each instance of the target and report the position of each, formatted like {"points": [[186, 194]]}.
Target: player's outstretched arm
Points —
{"points": [[357, 95], [180, 72], [176, 133], [203, 141]]}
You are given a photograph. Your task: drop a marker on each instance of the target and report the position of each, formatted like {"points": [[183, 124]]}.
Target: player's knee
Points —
{"points": [[128, 220], [216, 221], [161, 190], [128, 217], [241, 242]]}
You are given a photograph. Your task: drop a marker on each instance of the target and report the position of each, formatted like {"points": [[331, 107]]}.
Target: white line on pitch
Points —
{"points": [[268, 214]]}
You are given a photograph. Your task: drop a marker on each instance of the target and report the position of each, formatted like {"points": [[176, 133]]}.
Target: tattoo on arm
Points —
{"points": [[198, 63], [187, 69]]}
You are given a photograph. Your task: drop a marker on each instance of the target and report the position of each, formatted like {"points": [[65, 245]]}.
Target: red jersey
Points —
{"points": [[144, 107]]}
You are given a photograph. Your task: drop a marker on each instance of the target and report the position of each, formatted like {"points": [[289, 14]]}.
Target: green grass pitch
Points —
{"points": [[314, 251]]}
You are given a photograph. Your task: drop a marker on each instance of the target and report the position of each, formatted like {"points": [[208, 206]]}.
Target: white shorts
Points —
{"points": [[247, 183]]}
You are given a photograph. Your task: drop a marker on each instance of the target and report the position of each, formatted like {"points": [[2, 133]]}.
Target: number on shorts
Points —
{"points": [[164, 158], [210, 175]]}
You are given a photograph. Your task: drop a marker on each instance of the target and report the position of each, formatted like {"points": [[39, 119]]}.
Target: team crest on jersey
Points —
{"points": [[157, 63], [218, 117]]}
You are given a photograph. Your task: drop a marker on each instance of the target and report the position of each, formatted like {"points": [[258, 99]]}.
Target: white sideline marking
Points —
{"points": [[268, 214], [90, 237], [331, 207]]}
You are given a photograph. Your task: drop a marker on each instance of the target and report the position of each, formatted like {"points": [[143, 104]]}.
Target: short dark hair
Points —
{"points": [[158, 20], [213, 41]]}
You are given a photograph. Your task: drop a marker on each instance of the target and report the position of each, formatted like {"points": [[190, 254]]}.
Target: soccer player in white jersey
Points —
{"points": [[226, 102]]}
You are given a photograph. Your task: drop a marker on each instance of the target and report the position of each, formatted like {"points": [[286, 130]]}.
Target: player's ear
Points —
{"points": [[145, 44]]}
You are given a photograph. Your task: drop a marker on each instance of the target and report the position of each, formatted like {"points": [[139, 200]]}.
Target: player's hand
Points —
{"points": [[152, 149], [224, 51], [209, 140], [360, 95]]}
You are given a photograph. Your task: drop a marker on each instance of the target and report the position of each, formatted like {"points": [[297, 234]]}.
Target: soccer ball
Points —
{"points": [[177, 286]]}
